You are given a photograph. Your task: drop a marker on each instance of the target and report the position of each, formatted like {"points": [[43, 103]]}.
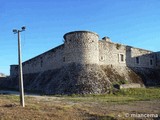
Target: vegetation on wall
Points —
{"points": [[80, 79]]}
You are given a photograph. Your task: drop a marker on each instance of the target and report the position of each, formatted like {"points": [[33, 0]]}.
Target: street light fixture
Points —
{"points": [[21, 89], [15, 31]]}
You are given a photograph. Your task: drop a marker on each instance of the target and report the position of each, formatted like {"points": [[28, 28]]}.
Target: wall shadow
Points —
{"points": [[146, 66]]}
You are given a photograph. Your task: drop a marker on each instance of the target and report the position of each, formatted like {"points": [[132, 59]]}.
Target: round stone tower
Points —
{"points": [[81, 47]]}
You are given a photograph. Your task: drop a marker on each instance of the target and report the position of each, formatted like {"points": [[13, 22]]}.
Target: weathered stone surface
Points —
{"points": [[83, 79], [131, 85], [84, 47], [85, 64]]}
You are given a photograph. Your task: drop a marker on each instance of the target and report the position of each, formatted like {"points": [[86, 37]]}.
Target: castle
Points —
{"points": [[84, 47]]}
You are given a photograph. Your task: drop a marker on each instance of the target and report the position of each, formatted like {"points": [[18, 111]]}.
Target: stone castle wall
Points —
{"points": [[157, 55], [121, 55], [13, 70], [81, 47], [140, 58], [49, 60], [109, 53], [84, 47]]}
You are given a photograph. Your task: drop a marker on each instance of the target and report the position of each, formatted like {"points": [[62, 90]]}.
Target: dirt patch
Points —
{"points": [[63, 108]]}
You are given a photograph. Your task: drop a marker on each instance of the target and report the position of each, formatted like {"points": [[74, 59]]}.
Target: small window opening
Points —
{"points": [[101, 57], [137, 60], [64, 59], [121, 57], [151, 62]]}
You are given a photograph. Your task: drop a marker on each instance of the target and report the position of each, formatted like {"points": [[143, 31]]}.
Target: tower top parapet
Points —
{"points": [[81, 31]]}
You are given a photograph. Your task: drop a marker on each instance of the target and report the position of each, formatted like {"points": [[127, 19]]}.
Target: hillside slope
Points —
{"points": [[83, 79]]}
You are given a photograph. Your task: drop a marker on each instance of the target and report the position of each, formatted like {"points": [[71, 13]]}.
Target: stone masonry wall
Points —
{"points": [[140, 58], [121, 55], [157, 54], [84, 47], [49, 60], [13, 70], [109, 53], [81, 47]]}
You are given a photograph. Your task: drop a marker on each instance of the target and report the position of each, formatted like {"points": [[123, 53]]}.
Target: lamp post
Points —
{"points": [[21, 89]]}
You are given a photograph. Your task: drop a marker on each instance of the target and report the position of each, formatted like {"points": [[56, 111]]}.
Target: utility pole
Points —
{"points": [[21, 89]]}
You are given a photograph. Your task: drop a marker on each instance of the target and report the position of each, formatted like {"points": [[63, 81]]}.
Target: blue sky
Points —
{"points": [[130, 22]]}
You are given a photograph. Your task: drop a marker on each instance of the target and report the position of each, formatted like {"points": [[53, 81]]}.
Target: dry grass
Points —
{"points": [[44, 109], [91, 107]]}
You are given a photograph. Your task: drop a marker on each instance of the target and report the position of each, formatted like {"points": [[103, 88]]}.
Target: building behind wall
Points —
{"points": [[84, 47]]}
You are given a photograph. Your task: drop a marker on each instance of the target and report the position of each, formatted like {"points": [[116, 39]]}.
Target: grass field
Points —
{"points": [[83, 107]]}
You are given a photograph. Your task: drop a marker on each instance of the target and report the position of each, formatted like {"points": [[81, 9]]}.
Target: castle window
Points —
{"points": [[137, 60], [121, 58], [151, 62], [64, 59], [101, 58]]}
